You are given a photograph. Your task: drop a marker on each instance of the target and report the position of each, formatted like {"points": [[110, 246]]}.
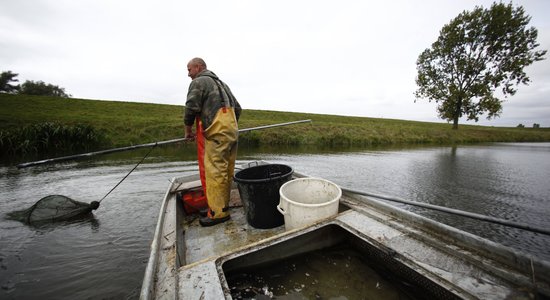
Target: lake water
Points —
{"points": [[104, 257]]}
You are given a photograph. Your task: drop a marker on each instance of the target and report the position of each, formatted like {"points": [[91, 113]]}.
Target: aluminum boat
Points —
{"points": [[430, 259]]}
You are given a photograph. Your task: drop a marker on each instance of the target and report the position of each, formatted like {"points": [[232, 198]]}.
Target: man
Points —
{"points": [[211, 105]]}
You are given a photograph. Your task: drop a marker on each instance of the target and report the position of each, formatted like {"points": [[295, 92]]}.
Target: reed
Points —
{"points": [[49, 137]]}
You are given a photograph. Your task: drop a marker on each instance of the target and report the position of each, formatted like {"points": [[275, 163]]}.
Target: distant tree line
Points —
{"points": [[535, 125], [29, 87]]}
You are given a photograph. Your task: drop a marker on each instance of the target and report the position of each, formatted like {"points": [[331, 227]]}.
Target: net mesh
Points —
{"points": [[54, 208]]}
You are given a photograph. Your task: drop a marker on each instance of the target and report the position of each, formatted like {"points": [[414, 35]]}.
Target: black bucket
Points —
{"points": [[259, 190]]}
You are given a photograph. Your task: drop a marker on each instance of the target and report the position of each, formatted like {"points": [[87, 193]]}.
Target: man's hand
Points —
{"points": [[189, 133]]}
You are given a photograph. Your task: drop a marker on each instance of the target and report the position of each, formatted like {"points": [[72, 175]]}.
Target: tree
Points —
{"points": [[30, 87], [5, 79], [477, 53]]}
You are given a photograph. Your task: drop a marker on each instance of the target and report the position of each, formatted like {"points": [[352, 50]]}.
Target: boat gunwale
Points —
{"points": [[151, 268], [485, 249]]}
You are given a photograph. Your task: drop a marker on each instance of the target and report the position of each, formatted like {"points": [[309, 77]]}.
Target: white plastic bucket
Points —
{"points": [[307, 200]]}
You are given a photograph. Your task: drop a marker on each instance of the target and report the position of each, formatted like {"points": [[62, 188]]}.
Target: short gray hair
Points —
{"points": [[198, 61]]}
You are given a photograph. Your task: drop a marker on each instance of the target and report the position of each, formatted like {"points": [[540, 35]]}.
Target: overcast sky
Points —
{"points": [[354, 58]]}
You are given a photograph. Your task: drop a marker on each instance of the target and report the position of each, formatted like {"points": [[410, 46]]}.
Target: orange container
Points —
{"points": [[194, 201]]}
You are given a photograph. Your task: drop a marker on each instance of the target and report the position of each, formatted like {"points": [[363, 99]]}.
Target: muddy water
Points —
{"points": [[335, 273]]}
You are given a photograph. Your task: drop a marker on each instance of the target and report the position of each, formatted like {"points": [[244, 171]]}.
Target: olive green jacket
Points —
{"points": [[204, 99]]}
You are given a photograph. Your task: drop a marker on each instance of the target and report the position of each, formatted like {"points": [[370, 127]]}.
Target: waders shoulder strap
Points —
{"points": [[220, 86]]}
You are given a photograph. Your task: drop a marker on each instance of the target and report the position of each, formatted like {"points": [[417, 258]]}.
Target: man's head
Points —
{"points": [[195, 66]]}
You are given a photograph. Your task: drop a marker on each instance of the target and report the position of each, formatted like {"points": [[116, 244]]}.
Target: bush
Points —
{"points": [[41, 88]]}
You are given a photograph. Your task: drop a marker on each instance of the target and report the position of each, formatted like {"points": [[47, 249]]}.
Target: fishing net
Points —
{"points": [[54, 208]]}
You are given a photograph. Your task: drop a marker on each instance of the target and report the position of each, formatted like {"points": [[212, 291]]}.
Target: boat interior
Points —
{"points": [[425, 259]]}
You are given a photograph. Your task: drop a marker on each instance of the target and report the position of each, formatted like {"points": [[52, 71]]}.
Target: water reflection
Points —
{"points": [[501, 183]]}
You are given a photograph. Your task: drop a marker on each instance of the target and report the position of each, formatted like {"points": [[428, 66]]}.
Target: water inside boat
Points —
{"points": [[336, 272], [348, 268]]}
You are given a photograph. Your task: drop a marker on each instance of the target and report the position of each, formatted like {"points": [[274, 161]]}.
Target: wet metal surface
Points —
{"points": [[449, 270], [207, 242]]}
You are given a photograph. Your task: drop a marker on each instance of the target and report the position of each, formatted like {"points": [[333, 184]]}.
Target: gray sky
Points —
{"points": [[354, 58]]}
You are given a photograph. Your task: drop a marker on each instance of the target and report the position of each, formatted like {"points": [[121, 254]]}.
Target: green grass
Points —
{"points": [[117, 124]]}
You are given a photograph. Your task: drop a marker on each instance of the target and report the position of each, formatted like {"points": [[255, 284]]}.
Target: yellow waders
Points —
{"points": [[220, 153]]}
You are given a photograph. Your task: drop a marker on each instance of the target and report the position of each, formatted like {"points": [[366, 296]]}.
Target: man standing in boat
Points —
{"points": [[211, 105]]}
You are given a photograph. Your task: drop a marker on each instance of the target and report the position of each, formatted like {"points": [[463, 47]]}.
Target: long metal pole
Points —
{"points": [[71, 157], [454, 211]]}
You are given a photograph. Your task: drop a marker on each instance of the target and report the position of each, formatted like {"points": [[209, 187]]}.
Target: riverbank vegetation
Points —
{"points": [[29, 87], [41, 124]]}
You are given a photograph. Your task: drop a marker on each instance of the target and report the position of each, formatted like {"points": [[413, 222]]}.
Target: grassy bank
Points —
{"points": [[116, 124]]}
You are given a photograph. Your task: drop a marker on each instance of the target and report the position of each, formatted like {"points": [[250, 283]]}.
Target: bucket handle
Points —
{"points": [[281, 210], [274, 174]]}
